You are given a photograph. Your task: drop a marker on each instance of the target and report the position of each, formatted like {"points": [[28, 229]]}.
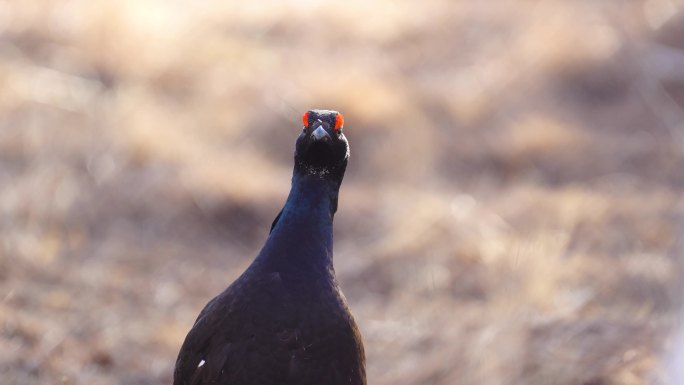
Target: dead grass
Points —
{"points": [[512, 212]]}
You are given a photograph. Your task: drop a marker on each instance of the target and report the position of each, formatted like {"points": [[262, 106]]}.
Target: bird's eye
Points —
{"points": [[305, 119], [339, 123]]}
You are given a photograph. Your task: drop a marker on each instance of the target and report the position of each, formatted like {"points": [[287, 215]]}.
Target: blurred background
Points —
{"points": [[512, 212]]}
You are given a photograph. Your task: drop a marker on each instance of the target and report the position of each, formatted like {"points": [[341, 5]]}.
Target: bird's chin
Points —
{"points": [[318, 154]]}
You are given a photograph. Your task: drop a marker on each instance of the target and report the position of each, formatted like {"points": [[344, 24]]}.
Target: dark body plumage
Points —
{"points": [[285, 320]]}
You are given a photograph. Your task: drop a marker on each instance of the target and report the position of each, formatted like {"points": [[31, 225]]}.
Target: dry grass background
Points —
{"points": [[512, 213]]}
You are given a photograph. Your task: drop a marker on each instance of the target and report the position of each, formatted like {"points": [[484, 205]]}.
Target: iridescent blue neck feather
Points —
{"points": [[302, 237]]}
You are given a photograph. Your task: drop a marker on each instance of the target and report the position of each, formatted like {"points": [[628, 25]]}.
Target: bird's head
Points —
{"points": [[321, 148]]}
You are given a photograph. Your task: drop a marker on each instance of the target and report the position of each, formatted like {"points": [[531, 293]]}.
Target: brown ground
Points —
{"points": [[512, 213]]}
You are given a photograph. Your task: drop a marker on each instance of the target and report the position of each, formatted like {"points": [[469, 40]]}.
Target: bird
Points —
{"points": [[284, 320]]}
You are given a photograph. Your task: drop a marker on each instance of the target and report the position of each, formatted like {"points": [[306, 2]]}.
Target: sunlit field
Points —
{"points": [[512, 212]]}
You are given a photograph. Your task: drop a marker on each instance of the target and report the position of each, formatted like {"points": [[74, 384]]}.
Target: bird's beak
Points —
{"points": [[320, 134]]}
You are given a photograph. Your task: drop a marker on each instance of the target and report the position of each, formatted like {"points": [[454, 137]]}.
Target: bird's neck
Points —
{"points": [[302, 238]]}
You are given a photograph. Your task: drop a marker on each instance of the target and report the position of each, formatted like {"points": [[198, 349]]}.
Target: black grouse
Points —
{"points": [[284, 320]]}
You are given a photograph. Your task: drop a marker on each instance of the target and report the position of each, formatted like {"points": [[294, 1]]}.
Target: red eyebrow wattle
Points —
{"points": [[339, 122]]}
